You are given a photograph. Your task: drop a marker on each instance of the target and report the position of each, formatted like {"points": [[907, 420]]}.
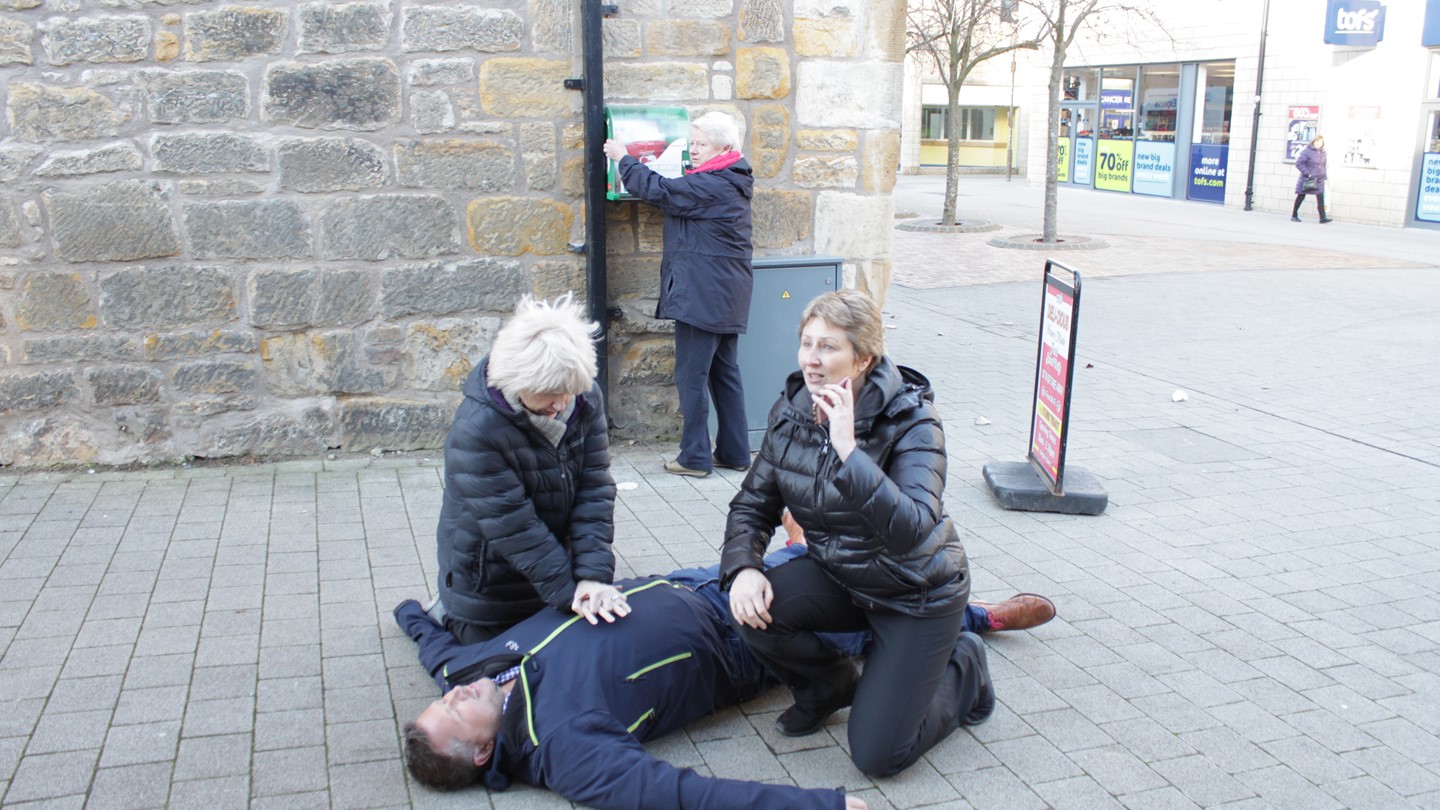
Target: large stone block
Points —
{"points": [[299, 429], [341, 94], [873, 277], [49, 440], [882, 159], [827, 140], [15, 159], [438, 355], [144, 426], [124, 385], [71, 349], [762, 21], [166, 297], [227, 187], [439, 71], [44, 114], [537, 151], [646, 361], [825, 171], [208, 152], [634, 277], [112, 222], [214, 377], [298, 364], [853, 226], [657, 81], [555, 277], [687, 38], [95, 39], [699, 8], [393, 424], [527, 88], [195, 96], [769, 140], [10, 236], [172, 345], [40, 391], [620, 38], [832, 35], [781, 218], [644, 412], [15, 39], [885, 25], [461, 28], [117, 157], [551, 22], [475, 285], [431, 112], [455, 164], [54, 302], [248, 229], [762, 73], [389, 226], [864, 95], [233, 33], [510, 226], [341, 27], [330, 164], [281, 299]]}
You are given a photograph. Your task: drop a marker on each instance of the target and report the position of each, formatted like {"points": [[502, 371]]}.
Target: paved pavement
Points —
{"points": [[1252, 623]]}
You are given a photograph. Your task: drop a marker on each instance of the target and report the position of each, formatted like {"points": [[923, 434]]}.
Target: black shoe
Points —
{"points": [[985, 701], [802, 721], [1324, 220], [1294, 219], [727, 465]]}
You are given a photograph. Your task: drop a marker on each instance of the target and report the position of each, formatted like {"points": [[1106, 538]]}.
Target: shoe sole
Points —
{"points": [[676, 469]]}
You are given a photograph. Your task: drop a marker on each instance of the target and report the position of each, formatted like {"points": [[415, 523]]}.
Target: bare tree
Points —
{"points": [[956, 36], [1062, 20]]}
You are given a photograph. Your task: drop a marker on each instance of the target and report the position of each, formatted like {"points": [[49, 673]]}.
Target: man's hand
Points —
{"points": [[852, 803], [594, 599], [750, 597], [614, 150]]}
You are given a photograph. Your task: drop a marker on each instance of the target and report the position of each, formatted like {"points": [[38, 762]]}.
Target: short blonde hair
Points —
{"points": [[546, 348], [857, 314], [720, 128]]}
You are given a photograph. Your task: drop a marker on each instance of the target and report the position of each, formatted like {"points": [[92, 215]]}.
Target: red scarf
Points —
{"points": [[717, 163]]}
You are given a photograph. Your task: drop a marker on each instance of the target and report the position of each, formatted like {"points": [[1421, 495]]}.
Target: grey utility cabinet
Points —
{"points": [[783, 286]]}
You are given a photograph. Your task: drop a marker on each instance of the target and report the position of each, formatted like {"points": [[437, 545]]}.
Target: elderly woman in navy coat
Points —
{"points": [[705, 283], [1311, 165]]}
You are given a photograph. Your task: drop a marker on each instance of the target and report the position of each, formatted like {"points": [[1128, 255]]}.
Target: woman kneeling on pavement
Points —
{"points": [[856, 451]]}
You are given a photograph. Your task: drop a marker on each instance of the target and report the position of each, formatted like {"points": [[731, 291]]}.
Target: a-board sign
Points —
{"points": [[659, 137], [1054, 370]]}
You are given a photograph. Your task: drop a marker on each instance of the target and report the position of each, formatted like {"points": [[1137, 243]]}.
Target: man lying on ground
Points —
{"points": [[558, 703]]}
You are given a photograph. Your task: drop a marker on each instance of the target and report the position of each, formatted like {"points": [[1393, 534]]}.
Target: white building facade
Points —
{"points": [[1172, 113]]}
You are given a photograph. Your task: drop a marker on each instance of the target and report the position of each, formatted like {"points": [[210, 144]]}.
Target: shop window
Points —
{"points": [[1117, 103], [976, 123], [1215, 102], [1159, 101], [1079, 84]]}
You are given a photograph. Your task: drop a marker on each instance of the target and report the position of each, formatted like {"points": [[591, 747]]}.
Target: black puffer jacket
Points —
{"points": [[705, 274], [522, 521], [876, 523]]}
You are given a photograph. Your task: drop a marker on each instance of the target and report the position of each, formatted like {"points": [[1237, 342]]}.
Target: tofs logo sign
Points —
{"points": [[1354, 22]]}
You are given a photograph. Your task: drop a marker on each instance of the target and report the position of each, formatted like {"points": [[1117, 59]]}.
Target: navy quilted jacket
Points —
{"points": [[522, 520]]}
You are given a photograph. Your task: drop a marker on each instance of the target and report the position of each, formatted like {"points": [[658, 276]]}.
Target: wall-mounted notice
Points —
{"points": [[1303, 127]]}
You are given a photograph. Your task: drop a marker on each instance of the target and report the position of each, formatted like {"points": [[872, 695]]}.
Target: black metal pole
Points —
{"points": [[1255, 118], [593, 79]]}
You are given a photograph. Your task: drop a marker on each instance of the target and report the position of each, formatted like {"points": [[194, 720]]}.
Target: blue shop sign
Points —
{"points": [[1208, 164], [1430, 34], [1354, 22], [1117, 99]]}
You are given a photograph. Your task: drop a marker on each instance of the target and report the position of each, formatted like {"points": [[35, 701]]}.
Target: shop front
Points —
{"points": [[1159, 130]]}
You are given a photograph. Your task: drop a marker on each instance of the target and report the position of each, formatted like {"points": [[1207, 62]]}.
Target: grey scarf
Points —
{"points": [[552, 429]]}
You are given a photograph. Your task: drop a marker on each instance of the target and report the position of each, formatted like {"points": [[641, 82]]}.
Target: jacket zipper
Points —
{"points": [[636, 675]]}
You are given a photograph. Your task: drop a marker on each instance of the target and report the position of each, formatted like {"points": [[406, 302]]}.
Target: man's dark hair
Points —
{"points": [[433, 768]]}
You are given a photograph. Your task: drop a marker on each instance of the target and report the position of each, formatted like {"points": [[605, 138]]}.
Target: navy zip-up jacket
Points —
{"points": [[590, 695], [705, 273]]}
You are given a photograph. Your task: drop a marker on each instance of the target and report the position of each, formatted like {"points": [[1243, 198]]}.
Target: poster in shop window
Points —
{"points": [[1303, 127], [1427, 207], [1084, 148], [1062, 160]]}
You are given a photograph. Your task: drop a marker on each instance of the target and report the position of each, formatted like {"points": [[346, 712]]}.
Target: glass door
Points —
{"points": [[1210, 141]]}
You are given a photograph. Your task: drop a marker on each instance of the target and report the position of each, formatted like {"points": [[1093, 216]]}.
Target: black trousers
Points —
{"points": [[1319, 203], [707, 368], [917, 687]]}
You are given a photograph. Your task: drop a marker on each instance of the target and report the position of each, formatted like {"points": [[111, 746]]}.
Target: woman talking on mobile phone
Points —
{"points": [[856, 451]]}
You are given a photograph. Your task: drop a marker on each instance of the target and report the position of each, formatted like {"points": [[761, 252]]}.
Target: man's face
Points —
{"points": [[467, 714]]}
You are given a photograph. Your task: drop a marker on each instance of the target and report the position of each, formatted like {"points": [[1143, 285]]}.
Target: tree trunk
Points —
{"points": [[1052, 147], [952, 157]]}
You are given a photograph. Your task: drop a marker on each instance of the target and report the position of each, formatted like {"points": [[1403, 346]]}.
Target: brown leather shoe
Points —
{"points": [[1020, 612]]}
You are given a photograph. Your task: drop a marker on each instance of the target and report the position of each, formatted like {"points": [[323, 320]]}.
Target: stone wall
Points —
{"points": [[286, 228]]}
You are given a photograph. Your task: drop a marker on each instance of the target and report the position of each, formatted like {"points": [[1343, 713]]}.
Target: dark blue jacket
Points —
{"points": [[522, 520], [590, 695], [705, 275]]}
